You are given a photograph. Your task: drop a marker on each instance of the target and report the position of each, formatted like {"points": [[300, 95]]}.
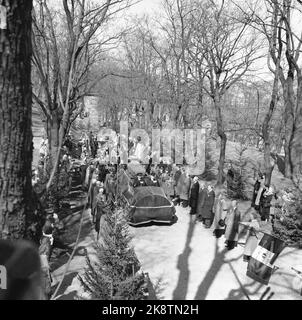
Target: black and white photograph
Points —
{"points": [[150, 153]]}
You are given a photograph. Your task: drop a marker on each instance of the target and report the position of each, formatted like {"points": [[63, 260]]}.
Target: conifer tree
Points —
{"points": [[116, 274]]}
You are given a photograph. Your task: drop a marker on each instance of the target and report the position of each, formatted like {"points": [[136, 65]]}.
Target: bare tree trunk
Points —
{"points": [[296, 148], [269, 165], [15, 120], [53, 127], [289, 121], [223, 139]]}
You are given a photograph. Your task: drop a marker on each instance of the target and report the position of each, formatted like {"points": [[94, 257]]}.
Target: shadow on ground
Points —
{"points": [[180, 292]]}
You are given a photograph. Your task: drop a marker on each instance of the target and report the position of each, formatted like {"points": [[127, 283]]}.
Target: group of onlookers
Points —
{"points": [[102, 192], [214, 208]]}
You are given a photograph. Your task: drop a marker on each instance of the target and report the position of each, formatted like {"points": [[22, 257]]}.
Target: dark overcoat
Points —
{"points": [[194, 195], [207, 208], [265, 205], [200, 200], [176, 177]]}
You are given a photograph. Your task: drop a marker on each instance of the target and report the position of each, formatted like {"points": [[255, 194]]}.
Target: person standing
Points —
{"points": [[45, 253], [220, 211], [256, 189], [194, 191], [207, 213], [101, 205], [265, 203], [253, 235], [110, 186], [170, 186], [200, 200], [232, 226], [183, 188], [94, 193], [176, 175], [68, 144], [103, 171], [259, 193]]}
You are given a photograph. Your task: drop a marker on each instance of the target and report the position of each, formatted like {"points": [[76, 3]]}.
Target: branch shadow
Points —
{"points": [[208, 280], [181, 289]]}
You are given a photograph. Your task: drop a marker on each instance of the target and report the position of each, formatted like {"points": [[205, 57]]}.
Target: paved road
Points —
{"points": [[188, 262]]}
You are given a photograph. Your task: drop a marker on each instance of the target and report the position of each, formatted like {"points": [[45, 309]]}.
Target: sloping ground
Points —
{"points": [[253, 161], [189, 263]]}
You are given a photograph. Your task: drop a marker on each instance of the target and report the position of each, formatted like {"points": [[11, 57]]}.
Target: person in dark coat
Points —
{"points": [[103, 171], [149, 166], [68, 144], [259, 193], [200, 200], [207, 212], [265, 202], [83, 168], [194, 195]]}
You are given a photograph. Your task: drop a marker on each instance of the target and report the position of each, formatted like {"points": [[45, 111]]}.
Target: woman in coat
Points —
{"points": [[256, 189], [194, 195], [170, 187], [265, 203], [207, 213], [220, 211], [183, 188], [253, 235], [232, 226]]}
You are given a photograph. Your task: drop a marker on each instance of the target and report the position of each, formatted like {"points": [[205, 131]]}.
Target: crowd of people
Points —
{"points": [[212, 206]]}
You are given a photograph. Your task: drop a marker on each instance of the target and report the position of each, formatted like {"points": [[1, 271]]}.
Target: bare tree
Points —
{"points": [[172, 48], [229, 49], [67, 43], [288, 71], [275, 49], [284, 15]]}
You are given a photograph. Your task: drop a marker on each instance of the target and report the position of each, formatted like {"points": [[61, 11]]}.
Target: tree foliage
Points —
{"points": [[115, 274]]}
